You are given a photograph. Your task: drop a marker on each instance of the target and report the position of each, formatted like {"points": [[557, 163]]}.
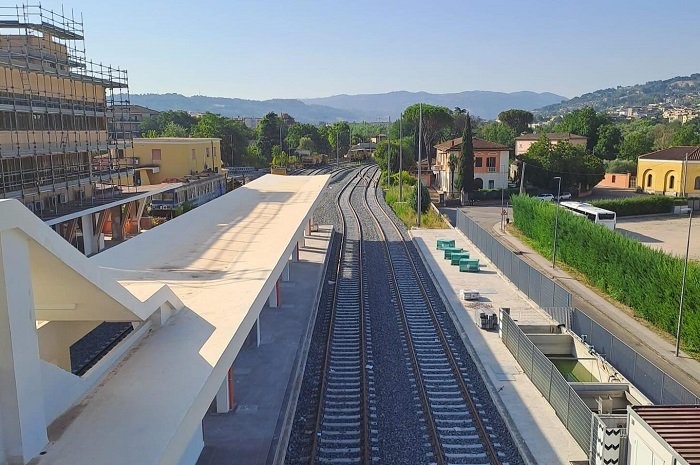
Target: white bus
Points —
{"points": [[598, 215]]}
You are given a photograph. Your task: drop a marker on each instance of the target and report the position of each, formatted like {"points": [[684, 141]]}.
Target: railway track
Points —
{"points": [[458, 426], [419, 386], [344, 419]]}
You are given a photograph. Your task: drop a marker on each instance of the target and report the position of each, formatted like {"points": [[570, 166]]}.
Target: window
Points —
{"points": [[155, 155], [671, 182], [697, 183], [477, 162], [491, 184], [207, 152], [491, 164], [613, 178], [194, 154], [649, 180]]}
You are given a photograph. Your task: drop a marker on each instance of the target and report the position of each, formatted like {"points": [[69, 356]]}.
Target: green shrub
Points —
{"points": [[492, 194], [412, 199], [645, 279], [638, 205]]}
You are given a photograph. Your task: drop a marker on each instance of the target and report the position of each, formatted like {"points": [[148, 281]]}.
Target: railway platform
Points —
{"points": [[542, 438], [267, 374]]}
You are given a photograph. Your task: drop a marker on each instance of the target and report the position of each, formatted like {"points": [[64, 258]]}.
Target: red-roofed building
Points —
{"points": [[490, 164], [664, 434]]}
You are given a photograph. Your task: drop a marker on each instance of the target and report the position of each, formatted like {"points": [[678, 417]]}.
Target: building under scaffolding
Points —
{"points": [[54, 110]]}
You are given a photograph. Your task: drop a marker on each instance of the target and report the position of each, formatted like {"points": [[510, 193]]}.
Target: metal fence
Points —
{"points": [[657, 385], [571, 410]]}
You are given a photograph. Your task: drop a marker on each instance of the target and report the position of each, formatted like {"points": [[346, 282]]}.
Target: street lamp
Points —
{"points": [[685, 271], [556, 222]]}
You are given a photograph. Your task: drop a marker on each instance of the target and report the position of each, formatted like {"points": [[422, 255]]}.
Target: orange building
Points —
{"points": [[490, 164]]}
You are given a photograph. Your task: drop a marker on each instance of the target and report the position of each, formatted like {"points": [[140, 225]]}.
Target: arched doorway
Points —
{"points": [[478, 183]]}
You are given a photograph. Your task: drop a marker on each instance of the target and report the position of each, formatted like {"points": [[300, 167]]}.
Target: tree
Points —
{"points": [[499, 133], [158, 122], [339, 132], [268, 134], [609, 140], [636, 143], [299, 130], [435, 119], [253, 157], [584, 122], [518, 120], [279, 157], [380, 155], [453, 164], [573, 163], [412, 199], [621, 166], [234, 135], [459, 121], [687, 134], [174, 130], [305, 143], [466, 161]]}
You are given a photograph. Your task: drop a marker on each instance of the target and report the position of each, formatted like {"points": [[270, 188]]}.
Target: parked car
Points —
{"points": [[565, 196], [545, 197]]}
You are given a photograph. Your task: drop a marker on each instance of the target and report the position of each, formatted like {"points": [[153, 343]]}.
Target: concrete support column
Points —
{"points": [[117, 233], [258, 337], [307, 228], [224, 397], [295, 252], [89, 239], [286, 273], [22, 422], [274, 300]]}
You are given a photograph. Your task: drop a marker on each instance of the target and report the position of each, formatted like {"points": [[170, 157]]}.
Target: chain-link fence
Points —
{"points": [[653, 382]]}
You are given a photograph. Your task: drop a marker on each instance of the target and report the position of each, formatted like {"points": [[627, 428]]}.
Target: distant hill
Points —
{"points": [[235, 107], [485, 104], [680, 90], [367, 107]]}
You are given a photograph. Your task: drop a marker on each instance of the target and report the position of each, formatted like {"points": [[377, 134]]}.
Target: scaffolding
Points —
{"points": [[54, 111]]}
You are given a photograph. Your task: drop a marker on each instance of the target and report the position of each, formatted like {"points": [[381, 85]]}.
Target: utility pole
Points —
{"points": [[556, 223], [337, 163], [388, 155], [420, 155], [685, 272], [522, 179], [400, 159]]}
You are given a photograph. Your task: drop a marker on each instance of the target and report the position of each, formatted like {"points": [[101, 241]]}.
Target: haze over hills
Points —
{"points": [[367, 107], [678, 91], [485, 104]]}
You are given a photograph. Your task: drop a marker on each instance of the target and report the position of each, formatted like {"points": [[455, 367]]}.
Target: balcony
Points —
{"points": [[492, 169]]}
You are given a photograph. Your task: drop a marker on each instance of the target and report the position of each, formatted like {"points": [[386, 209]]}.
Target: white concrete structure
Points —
{"points": [[193, 287], [663, 434]]}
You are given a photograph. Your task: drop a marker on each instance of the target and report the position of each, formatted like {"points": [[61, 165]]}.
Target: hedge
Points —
{"points": [[642, 278], [492, 194], [639, 205]]}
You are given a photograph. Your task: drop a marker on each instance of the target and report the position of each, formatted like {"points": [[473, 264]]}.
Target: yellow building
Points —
{"points": [[160, 159], [674, 171], [53, 113]]}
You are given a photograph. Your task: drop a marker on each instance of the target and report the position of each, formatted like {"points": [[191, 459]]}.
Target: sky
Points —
{"points": [[259, 49]]}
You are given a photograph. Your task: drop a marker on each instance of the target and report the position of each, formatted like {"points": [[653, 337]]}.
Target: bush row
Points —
{"points": [[645, 279], [639, 204], [492, 194]]}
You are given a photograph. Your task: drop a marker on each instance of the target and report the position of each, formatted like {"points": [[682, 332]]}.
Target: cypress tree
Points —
{"points": [[467, 160]]}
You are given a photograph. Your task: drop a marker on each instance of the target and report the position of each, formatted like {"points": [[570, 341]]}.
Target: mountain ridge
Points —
{"points": [[361, 107], [681, 90]]}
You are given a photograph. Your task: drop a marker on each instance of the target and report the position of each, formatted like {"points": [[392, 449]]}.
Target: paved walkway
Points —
{"points": [[539, 431], [657, 348], [265, 376]]}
